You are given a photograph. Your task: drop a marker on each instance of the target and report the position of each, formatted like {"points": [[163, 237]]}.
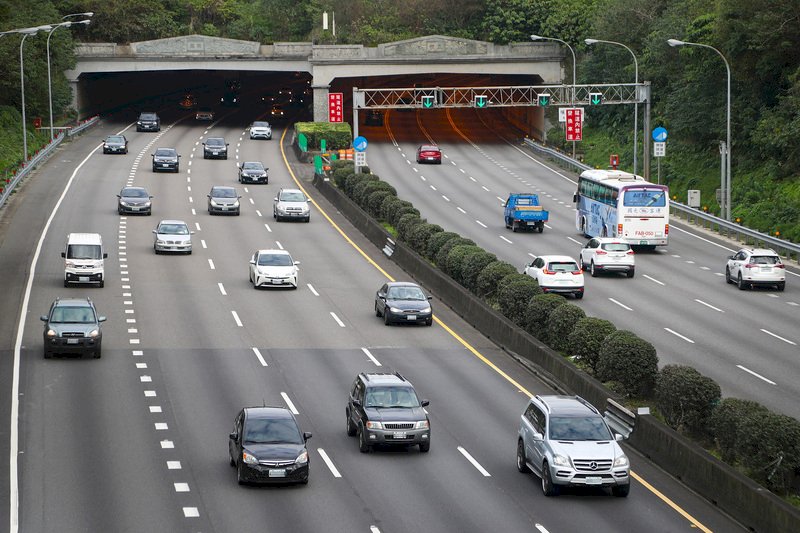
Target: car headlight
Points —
{"points": [[302, 458], [126, 204], [374, 425], [395, 310], [236, 203], [94, 333], [70, 264], [622, 460], [161, 241], [560, 460], [422, 424], [51, 333], [213, 202], [249, 458], [425, 310], [147, 204]]}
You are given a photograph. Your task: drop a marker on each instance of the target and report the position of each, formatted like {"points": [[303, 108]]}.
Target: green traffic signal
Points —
{"points": [[543, 99], [428, 101], [481, 100], [595, 98]]}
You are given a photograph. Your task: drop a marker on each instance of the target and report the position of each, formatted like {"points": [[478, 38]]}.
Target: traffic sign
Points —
{"points": [[574, 122], [428, 100], [595, 98], [335, 107], [481, 100], [660, 134], [361, 159], [543, 99], [360, 143], [659, 149]]}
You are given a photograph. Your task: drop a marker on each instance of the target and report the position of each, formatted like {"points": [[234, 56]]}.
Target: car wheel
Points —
{"points": [[230, 460], [154, 169], [304, 481], [102, 283], [781, 285], [593, 270], [424, 447], [239, 476], [385, 318], [579, 295], [307, 220], [728, 278], [631, 272], [66, 283], [621, 491], [740, 283], [177, 169], [351, 429], [363, 446], [48, 355], [97, 354], [429, 322], [548, 487], [377, 311], [522, 464]]}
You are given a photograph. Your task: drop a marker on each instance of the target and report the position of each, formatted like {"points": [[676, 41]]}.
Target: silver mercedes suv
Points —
{"points": [[566, 442]]}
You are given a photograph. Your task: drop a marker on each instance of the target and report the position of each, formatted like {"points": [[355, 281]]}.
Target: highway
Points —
{"points": [[137, 440], [747, 341]]}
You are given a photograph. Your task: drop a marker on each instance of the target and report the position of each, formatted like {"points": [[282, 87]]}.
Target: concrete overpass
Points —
{"points": [[541, 62]]}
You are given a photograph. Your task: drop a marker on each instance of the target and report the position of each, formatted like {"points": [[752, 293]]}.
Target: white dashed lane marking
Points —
{"points": [[759, 376], [474, 463], [328, 462]]}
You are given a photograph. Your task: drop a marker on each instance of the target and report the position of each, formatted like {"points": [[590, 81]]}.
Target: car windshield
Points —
{"points": [[579, 428], [147, 116], [173, 229], [280, 430], [223, 193], [293, 197], [115, 139], [73, 315], [391, 397], [165, 152], [134, 193], [275, 260], [84, 251], [765, 260], [563, 266], [428, 149], [405, 293], [252, 166], [260, 125], [215, 142], [616, 246]]}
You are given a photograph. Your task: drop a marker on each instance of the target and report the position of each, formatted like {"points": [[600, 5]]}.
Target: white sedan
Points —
{"points": [[273, 268], [606, 254], [557, 273]]}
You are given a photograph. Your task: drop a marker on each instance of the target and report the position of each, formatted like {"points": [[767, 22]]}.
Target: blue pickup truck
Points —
{"points": [[523, 212]]}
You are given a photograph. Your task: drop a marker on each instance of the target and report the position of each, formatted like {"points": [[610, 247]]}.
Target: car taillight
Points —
{"points": [[750, 265], [630, 252], [577, 273], [601, 252], [549, 272], [779, 265]]}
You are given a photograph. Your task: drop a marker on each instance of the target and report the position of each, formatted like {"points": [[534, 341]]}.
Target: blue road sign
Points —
{"points": [[659, 134], [360, 143]]}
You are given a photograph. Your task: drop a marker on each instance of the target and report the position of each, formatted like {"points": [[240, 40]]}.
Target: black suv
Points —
{"points": [[72, 327], [215, 148], [148, 121], [166, 159], [266, 446], [384, 409]]}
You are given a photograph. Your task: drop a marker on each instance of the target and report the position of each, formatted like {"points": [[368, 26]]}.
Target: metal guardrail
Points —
{"points": [[619, 418], [8, 188], [689, 214]]}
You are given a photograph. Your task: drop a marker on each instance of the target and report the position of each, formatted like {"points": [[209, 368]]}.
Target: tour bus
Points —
{"points": [[613, 203]]}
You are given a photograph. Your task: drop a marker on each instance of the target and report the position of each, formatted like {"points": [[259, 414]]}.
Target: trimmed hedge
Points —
{"points": [[538, 310], [630, 361], [437, 241], [769, 450], [363, 192], [390, 205], [444, 250], [560, 323], [400, 212], [406, 224], [456, 259], [474, 264], [586, 339], [375, 201], [686, 398], [489, 278], [513, 294], [726, 424], [354, 179], [421, 234]]}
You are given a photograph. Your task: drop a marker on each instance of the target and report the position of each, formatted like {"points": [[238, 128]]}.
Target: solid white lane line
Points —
{"points": [[336, 318], [259, 356], [779, 337], [759, 376], [505, 239], [709, 305], [372, 357], [311, 288], [328, 462], [289, 403], [475, 463], [687, 339], [653, 279], [222, 289], [211, 264], [622, 305], [236, 318]]}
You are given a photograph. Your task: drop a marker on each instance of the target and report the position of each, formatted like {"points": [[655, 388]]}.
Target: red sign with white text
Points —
{"points": [[335, 107], [574, 124]]}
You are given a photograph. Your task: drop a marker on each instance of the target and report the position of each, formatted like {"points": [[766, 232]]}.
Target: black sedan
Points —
{"points": [[267, 446], [166, 159], [134, 200], [403, 302], [253, 172], [115, 144]]}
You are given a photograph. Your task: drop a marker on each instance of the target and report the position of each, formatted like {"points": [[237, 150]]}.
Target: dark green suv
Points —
{"points": [[384, 409], [72, 327]]}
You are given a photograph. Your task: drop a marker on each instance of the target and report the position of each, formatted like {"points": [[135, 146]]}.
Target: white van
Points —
{"points": [[83, 259]]}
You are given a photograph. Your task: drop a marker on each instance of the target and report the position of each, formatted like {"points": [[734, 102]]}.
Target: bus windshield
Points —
{"points": [[644, 198]]}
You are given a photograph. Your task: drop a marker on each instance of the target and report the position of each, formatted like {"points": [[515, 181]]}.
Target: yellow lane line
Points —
{"points": [[467, 345]]}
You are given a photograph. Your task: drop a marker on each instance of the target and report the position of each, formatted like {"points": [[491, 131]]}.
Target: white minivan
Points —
{"points": [[84, 259]]}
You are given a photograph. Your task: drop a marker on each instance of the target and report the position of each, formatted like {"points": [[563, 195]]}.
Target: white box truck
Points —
{"points": [[84, 259]]}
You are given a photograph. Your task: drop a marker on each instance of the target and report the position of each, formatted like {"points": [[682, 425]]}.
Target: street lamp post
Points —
{"points": [[726, 187], [636, 104], [25, 33], [572, 100], [49, 81]]}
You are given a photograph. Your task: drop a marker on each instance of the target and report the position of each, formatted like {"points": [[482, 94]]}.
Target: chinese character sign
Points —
{"points": [[335, 110], [574, 124]]}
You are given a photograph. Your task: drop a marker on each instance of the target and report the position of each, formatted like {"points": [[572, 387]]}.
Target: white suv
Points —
{"points": [[566, 442], [752, 267], [557, 273], [260, 130], [605, 254]]}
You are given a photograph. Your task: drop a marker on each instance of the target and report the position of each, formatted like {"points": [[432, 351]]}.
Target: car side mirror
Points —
{"points": [[238, 165], [618, 437], [118, 196], [234, 436], [63, 254], [505, 204], [191, 232], [101, 318], [105, 255], [154, 231], [357, 403], [151, 196], [730, 257], [239, 196], [306, 435], [208, 196], [275, 199], [43, 318], [297, 262], [537, 436], [575, 197], [430, 297], [425, 403]]}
